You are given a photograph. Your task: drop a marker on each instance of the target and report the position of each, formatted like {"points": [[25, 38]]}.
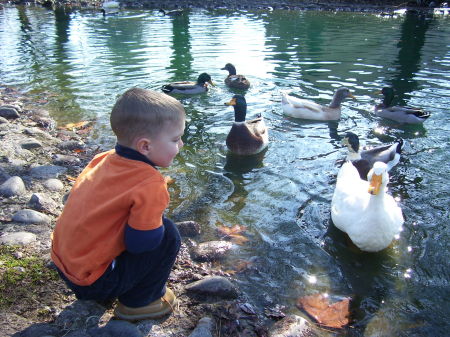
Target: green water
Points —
{"points": [[283, 195]]}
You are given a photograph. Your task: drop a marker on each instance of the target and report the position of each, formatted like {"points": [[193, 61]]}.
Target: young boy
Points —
{"points": [[112, 239]]}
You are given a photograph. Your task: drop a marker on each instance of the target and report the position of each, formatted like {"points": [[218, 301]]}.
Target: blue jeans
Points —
{"points": [[136, 279]]}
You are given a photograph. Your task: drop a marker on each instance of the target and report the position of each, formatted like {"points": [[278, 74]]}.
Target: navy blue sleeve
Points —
{"points": [[137, 241]]}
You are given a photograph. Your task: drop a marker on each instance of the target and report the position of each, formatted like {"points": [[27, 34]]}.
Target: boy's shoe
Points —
{"points": [[156, 309]]}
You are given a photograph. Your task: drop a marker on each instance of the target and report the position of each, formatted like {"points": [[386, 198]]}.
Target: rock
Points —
{"points": [[61, 159], [80, 315], [15, 105], [42, 202], [39, 329], [188, 228], [30, 144], [214, 286], [54, 185], [47, 171], [3, 120], [211, 250], [71, 145], [115, 329], [11, 323], [9, 112], [204, 328], [17, 238], [31, 216], [12, 186], [291, 326], [36, 132]]}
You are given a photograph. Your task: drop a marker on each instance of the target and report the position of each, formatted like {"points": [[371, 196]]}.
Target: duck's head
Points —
{"points": [[378, 177], [231, 69], [240, 107], [339, 96], [204, 78], [388, 94], [351, 141]]}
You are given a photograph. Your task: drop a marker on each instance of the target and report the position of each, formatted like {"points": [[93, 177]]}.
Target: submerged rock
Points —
{"points": [[291, 326], [211, 250]]}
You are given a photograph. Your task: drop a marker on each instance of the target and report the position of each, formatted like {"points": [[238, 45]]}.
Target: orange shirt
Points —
{"points": [[112, 191]]}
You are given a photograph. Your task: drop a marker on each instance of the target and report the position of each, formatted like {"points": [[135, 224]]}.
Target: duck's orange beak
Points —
{"points": [[375, 184], [232, 102], [351, 96]]}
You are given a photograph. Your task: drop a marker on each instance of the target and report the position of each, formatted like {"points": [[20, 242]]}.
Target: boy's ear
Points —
{"points": [[143, 145]]}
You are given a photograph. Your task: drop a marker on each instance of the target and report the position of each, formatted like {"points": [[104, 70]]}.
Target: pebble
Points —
{"points": [[31, 216], [42, 202], [47, 171], [9, 112], [211, 250], [3, 120], [214, 286], [12, 186], [71, 145], [291, 326], [17, 238], [61, 159], [204, 328], [53, 184], [31, 144]]}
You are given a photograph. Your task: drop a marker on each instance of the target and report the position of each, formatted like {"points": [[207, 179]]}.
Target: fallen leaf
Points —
{"points": [[238, 239], [70, 178], [78, 125], [334, 315], [228, 231], [243, 265]]}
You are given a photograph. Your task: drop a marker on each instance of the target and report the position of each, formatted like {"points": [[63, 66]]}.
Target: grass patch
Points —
{"points": [[23, 274]]}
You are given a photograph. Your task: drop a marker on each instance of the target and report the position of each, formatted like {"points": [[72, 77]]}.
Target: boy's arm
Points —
{"points": [[140, 241]]}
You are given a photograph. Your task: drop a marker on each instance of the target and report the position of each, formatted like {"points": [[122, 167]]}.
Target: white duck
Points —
{"points": [[364, 210], [306, 109]]}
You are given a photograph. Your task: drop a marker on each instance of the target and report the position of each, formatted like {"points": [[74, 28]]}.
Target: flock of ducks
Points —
{"points": [[360, 204]]}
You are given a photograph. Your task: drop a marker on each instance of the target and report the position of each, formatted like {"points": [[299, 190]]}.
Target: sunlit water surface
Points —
{"points": [[283, 195]]}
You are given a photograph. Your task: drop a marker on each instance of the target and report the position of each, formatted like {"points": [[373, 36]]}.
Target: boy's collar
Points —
{"points": [[132, 154]]}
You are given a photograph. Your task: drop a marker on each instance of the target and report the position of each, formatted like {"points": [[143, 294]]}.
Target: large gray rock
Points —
{"points": [[291, 326], [204, 328], [214, 286], [31, 216], [8, 112], [42, 202], [17, 238], [115, 329], [211, 250], [47, 171], [12, 186], [188, 228]]}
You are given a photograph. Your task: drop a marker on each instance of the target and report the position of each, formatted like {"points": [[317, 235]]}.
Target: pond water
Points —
{"points": [[83, 61]]}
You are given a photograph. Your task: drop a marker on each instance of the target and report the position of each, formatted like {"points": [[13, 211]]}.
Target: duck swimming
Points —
{"points": [[307, 109], [189, 87], [246, 137], [233, 80], [365, 159], [364, 210], [400, 114]]}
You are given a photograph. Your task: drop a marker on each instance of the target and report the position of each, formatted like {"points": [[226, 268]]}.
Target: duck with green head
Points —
{"points": [[233, 80], [401, 114], [246, 137], [189, 87]]}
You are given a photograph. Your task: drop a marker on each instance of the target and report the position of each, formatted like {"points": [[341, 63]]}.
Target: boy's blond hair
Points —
{"points": [[141, 112]]}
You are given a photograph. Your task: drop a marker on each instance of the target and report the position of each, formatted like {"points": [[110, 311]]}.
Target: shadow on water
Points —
{"points": [[181, 59], [407, 64]]}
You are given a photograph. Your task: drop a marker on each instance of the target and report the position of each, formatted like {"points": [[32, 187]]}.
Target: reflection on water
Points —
{"points": [[283, 194]]}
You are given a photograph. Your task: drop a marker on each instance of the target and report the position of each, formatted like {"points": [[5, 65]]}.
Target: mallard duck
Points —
{"points": [[188, 87], [401, 114], [233, 80], [246, 137], [364, 210], [364, 160], [173, 12], [306, 109]]}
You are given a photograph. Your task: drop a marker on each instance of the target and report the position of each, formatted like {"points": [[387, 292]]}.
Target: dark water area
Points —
{"points": [[82, 61]]}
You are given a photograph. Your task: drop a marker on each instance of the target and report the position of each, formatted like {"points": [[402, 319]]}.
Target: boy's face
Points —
{"points": [[166, 144]]}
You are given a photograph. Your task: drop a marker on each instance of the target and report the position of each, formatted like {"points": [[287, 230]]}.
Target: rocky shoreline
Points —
{"points": [[39, 161]]}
